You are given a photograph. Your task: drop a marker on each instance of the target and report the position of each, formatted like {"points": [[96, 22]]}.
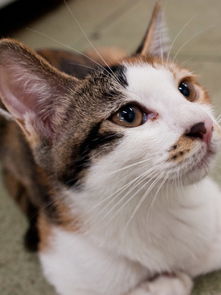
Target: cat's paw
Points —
{"points": [[177, 284]]}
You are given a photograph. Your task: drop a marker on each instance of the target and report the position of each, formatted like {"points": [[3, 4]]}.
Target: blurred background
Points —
{"points": [[194, 27]]}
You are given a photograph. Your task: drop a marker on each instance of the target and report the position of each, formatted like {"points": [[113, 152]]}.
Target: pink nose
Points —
{"points": [[202, 130]]}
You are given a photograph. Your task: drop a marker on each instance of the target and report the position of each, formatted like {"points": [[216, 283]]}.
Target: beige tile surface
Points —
{"points": [[121, 23], [59, 26]]}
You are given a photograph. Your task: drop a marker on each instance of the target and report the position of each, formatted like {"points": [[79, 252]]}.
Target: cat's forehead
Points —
{"points": [[153, 72], [146, 78], [141, 79], [153, 79]]}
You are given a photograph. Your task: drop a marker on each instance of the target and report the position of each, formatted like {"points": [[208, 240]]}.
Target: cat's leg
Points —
{"points": [[178, 284]]}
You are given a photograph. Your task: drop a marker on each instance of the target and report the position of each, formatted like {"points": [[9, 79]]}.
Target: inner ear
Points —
{"points": [[156, 40], [31, 89]]}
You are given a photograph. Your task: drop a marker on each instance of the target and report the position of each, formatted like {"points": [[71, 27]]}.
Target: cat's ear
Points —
{"points": [[156, 40], [32, 90]]}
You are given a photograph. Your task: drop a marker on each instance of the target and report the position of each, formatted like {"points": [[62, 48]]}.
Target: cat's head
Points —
{"points": [[143, 118]]}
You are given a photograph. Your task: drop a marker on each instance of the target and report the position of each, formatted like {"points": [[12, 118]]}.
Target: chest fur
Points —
{"points": [[174, 232]]}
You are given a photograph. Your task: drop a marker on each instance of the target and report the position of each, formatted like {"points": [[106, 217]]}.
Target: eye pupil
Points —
{"points": [[127, 114], [184, 89]]}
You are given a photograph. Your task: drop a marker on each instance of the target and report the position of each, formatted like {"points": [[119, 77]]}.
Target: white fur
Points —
{"points": [[175, 228]]}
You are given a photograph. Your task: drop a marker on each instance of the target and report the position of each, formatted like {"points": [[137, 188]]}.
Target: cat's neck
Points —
{"points": [[116, 210], [150, 234]]}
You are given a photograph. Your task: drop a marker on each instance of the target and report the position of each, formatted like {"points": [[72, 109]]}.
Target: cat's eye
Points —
{"points": [[187, 89], [129, 116]]}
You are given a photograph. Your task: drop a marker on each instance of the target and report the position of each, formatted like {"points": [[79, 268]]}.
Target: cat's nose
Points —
{"points": [[201, 130]]}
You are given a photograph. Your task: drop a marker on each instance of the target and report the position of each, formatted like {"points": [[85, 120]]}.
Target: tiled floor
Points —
{"points": [[195, 28]]}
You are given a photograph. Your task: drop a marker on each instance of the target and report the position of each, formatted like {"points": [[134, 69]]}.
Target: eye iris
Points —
{"points": [[127, 114], [184, 89]]}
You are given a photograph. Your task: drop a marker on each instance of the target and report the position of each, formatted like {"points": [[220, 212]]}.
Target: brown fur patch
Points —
{"points": [[67, 220], [45, 227], [182, 147], [70, 63], [45, 233]]}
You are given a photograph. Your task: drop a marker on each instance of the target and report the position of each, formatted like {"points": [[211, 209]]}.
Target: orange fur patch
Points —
{"points": [[66, 221], [110, 55], [45, 232], [180, 74], [181, 148]]}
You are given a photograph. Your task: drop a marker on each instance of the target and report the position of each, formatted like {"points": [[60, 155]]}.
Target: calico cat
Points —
{"points": [[111, 167]]}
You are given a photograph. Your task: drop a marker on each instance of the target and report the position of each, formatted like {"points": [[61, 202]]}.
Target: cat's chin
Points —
{"points": [[194, 176], [200, 169], [190, 177]]}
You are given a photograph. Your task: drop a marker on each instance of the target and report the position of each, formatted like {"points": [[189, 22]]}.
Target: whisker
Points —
{"points": [[104, 209], [178, 35], [191, 39], [122, 189], [138, 206], [100, 66], [81, 65], [121, 200], [133, 164], [161, 48], [66, 46], [88, 40], [218, 118]]}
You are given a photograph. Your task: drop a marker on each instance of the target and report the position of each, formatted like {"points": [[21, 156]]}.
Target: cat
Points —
{"points": [[111, 167]]}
